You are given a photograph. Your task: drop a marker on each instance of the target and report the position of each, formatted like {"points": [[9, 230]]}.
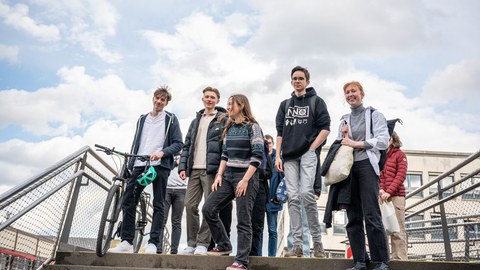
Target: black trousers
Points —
{"points": [[217, 200], [131, 198], [365, 185], [258, 218], [226, 217]]}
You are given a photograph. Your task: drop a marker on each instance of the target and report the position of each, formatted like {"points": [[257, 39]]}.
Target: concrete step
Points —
{"points": [[87, 260], [85, 267]]}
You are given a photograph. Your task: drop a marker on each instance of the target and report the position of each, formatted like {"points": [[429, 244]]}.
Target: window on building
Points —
{"points": [[443, 183], [323, 227], [413, 230], [472, 229], [472, 194], [339, 222], [412, 182], [438, 233], [336, 255]]}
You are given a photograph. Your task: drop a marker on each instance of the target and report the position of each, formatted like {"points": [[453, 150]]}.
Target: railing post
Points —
{"points": [[73, 203], [443, 218], [466, 233]]}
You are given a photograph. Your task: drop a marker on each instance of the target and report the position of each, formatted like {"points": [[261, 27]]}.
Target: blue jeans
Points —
{"points": [[175, 198], [299, 179], [272, 218], [131, 198], [305, 232], [217, 200]]}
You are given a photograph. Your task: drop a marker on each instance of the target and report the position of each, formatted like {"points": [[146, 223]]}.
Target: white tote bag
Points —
{"points": [[341, 165], [389, 218]]}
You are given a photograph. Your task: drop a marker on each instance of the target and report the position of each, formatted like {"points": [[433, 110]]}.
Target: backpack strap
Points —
{"points": [[287, 104]]}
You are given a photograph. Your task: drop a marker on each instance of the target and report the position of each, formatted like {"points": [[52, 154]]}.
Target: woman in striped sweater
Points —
{"points": [[237, 178]]}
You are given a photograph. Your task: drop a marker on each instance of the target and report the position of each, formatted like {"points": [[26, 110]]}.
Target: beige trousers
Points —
{"points": [[398, 241]]}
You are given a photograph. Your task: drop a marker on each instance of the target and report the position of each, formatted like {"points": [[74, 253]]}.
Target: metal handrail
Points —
{"points": [[43, 174], [30, 194], [38, 201], [466, 161], [443, 197], [442, 201]]}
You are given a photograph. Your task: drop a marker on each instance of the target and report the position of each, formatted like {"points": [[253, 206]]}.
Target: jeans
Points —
{"points": [[299, 179], [272, 217], [175, 198], [131, 198], [226, 218], [365, 186], [199, 185], [258, 219], [217, 200], [306, 234]]}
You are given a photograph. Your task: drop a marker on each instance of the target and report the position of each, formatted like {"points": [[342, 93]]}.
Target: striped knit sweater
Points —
{"points": [[243, 146]]}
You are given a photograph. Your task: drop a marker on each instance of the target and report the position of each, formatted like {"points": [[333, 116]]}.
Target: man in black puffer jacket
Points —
{"points": [[199, 161]]}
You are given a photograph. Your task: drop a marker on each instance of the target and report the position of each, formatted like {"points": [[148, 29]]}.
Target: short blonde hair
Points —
{"points": [[355, 83]]}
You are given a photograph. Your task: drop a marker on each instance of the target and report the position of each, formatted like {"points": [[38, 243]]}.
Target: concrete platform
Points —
{"points": [[89, 261]]}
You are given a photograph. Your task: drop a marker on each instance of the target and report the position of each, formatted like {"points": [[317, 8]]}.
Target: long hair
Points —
{"points": [[245, 111], [396, 142]]}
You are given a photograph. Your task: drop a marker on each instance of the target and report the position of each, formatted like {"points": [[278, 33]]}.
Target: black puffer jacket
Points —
{"points": [[214, 143]]}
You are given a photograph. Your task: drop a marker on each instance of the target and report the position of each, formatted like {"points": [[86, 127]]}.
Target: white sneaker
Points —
{"points": [[151, 249], [200, 250], [187, 251], [123, 247]]}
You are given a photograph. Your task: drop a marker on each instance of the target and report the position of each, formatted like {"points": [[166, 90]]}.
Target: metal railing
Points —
{"points": [[445, 225], [59, 208]]}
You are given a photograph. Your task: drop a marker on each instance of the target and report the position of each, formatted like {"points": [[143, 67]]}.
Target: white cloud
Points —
{"points": [[455, 82], [201, 52], [20, 160], [18, 17], [9, 53], [71, 106], [306, 28], [88, 23], [92, 22]]}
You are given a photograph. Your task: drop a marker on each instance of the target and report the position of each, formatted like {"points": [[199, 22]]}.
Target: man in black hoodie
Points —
{"points": [[303, 124]]}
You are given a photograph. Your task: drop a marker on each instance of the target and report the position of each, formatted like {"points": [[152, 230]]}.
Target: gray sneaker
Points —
{"points": [[318, 251], [296, 251]]}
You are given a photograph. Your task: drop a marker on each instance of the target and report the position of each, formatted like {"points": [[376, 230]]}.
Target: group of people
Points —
{"points": [[223, 156]]}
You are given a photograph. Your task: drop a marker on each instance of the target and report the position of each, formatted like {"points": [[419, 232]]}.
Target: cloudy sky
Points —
{"points": [[75, 73]]}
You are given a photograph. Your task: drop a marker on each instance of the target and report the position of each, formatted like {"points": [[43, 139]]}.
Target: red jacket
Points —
{"points": [[394, 173]]}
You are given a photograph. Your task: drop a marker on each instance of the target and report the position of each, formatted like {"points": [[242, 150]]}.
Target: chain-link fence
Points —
{"points": [[60, 207], [445, 224]]}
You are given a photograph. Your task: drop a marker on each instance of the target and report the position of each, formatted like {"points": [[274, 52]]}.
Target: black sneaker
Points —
{"points": [[358, 266], [381, 266]]}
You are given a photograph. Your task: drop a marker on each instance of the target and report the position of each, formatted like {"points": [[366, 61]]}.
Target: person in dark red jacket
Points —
{"points": [[392, 189]]}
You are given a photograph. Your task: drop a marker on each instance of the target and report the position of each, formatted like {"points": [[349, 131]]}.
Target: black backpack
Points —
{"points": [[391, 126], [265, 168]]}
